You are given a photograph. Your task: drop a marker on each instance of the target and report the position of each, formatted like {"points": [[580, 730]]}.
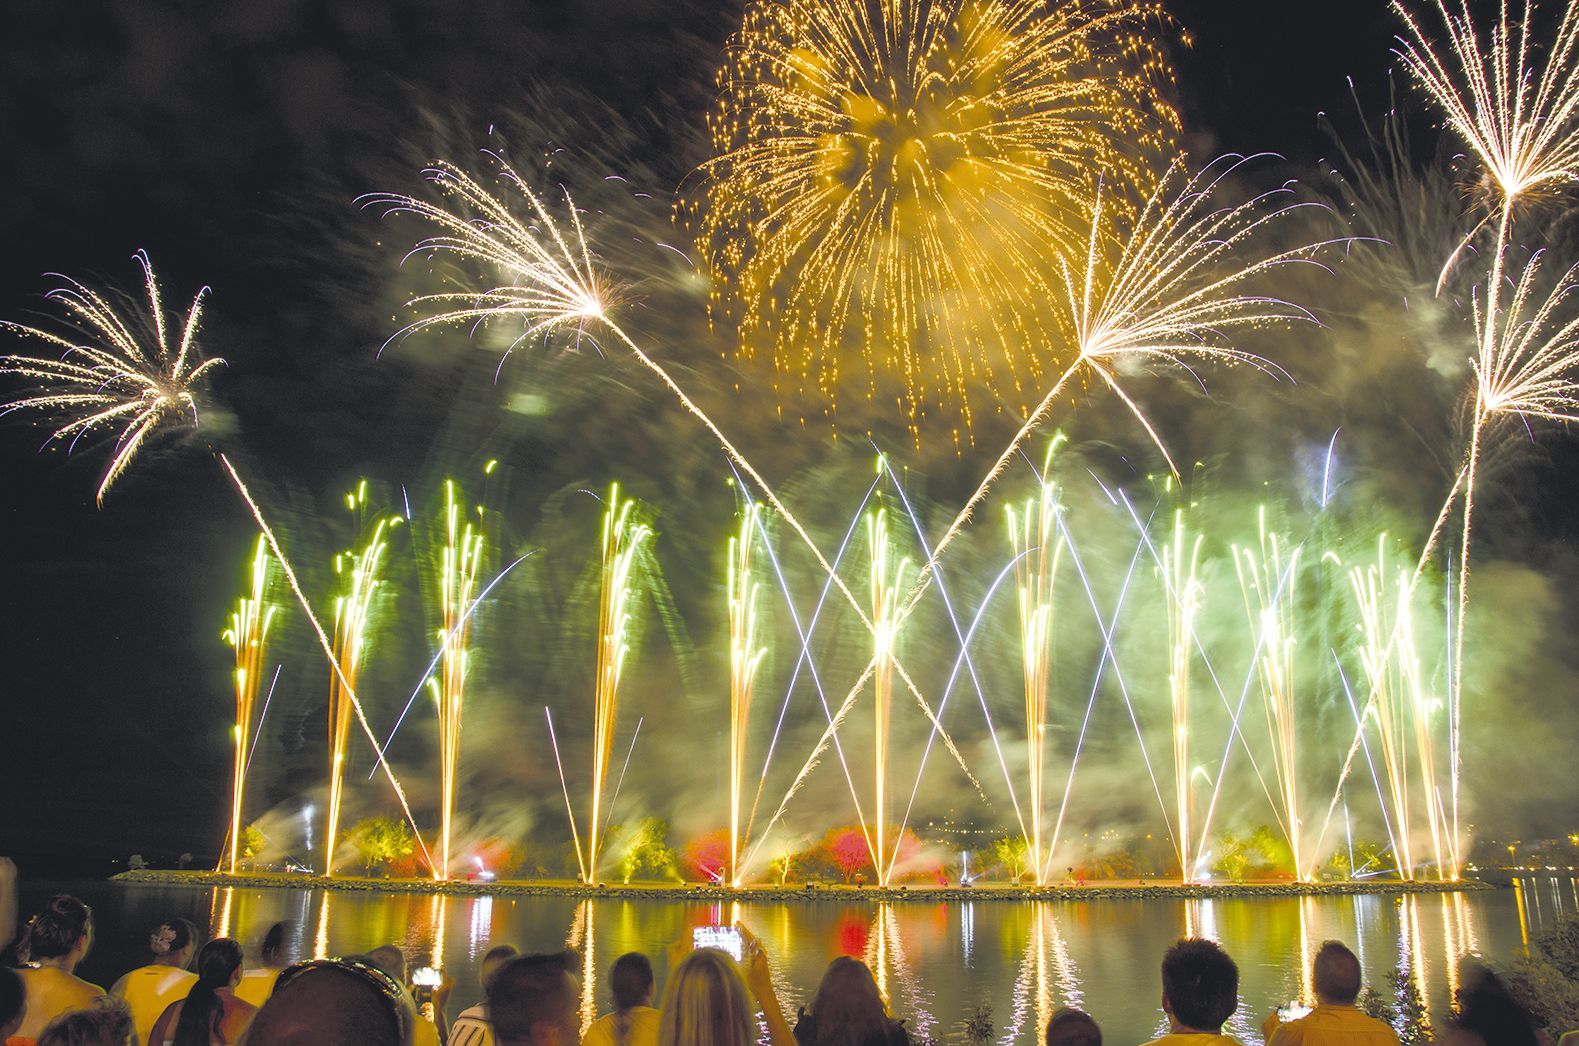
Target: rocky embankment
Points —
{"points": [[837, 892]]}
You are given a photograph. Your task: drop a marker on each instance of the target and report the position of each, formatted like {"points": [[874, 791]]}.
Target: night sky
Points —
{"points": [[229, 139]]}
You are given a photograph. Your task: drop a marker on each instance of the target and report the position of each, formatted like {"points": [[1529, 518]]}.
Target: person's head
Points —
{"points": [[532, 1001], [273, 951], [494, 958], [630, 981], [173, 942], [107, 1023], [390, 959], [333, 1002], [1485, 1007], [847, 1007], [11, 999], [1200, 985], [1071, 1027], [706, 1003], [218, 966], [62, 931], [1335, 974]]}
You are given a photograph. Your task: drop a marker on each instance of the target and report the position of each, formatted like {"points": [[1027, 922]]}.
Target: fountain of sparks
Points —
{"points": [[1400, 707], [247, 634], [745, 655], [886, 578], [460, 560], [1038, 546], [623, 537], [1267, 576], [1183, 596], [361, 576]]}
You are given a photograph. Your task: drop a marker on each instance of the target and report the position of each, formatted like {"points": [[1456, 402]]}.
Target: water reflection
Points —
{"points": [[937, 962]]}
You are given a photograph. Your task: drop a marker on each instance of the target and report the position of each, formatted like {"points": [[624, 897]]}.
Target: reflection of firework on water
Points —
{"points": [[117, 369], [745, 654], [1266, 577], [893, 178], [249, 629], [460, 561], [1038, 546], [359, 572]]}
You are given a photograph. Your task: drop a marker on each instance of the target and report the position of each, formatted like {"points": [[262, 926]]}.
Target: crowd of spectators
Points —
{"points": [[711, 998]]}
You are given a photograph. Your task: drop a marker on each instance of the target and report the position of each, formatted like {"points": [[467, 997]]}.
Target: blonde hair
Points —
{"points": [[706, 1003]]}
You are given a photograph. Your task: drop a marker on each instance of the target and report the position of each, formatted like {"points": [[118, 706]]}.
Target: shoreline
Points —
{"points": [[805, 892]]}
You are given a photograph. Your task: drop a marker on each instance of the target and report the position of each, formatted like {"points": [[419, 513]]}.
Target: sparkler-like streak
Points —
{"points": [[1038, 544], [248, 631], [894, 178], [556, 287], [886, 578], [1165, 286], [124, 371], [360, 573], [1518, 112], [1184, 595], [623, 537], [1267, 580], [744, 656], [117, 368], [459, 564]]}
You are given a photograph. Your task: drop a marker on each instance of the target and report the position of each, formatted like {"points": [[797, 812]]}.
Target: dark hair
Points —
{"points": [[847, 1009], [10, 996], [274, 944], [630, 981], [1486, 1008], [1071, 1027], [203, 1010], [56, 929], [324, 1002], [170, 938], [491, 960], [1201, 983], [107, 1023], [527, 990], [1335, 973]]}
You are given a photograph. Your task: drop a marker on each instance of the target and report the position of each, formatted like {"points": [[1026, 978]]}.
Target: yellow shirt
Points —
{"points": [[643, 1027], [1194, 1038], [1329, 1025], [148, 990], [257, 984]]}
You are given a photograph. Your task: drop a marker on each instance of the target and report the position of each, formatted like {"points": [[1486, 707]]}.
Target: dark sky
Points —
{"points": [[216, 135]]}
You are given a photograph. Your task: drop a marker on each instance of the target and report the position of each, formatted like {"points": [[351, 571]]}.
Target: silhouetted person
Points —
{"points": [[1336, 978], [532, 1001], [150, 989], [54, 942], [634, 1022], [257, 982], [472, 1027], [107, 1023], [1486, 1015], [333, 1002], [1071, 1027], [1200, 990], [211, 1012], [848, 1010]]}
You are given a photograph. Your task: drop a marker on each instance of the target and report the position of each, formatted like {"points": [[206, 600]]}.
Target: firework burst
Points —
{"points": [[893, 179], [118, 368]]}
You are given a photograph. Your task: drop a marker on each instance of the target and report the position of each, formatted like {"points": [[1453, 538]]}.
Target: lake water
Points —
{"points": [[937, 962]]}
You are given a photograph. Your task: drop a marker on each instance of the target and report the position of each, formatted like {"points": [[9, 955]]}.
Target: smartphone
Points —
{"points": [[724, 938], [423, 980], [1292, 1012]]}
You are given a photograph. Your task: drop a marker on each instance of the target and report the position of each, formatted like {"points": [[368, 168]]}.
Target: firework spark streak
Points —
{"points": [[1522, 122], [360, 580], [248, 631], [121, 381], [894, 178], [745, 654], [1038, 544], [1267, 580], [459, 563], [117, 368], [557, 288], [1164, 286]]}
